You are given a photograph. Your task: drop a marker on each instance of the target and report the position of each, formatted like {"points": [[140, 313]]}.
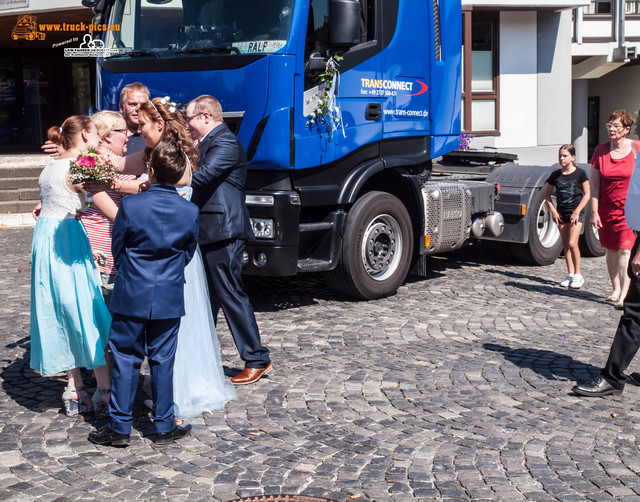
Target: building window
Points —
{"points": [[599, 7], [480, 90], [632, 7]]}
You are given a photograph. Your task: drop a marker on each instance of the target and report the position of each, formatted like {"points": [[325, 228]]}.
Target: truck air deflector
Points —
{"points": [[198, 62]]}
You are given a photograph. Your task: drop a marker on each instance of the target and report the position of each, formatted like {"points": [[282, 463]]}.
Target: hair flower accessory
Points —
{"points": [[167, 99]]}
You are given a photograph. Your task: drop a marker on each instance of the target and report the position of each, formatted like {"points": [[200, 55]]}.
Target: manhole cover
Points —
{"points": [[283, 498]]}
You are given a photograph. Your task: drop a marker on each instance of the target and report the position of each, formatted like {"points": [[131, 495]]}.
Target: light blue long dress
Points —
{"points": [[69, 319], [199, 382]]}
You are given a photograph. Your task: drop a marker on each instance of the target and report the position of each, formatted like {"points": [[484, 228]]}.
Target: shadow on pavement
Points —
{"points": [[546, 363], [38, 394]]}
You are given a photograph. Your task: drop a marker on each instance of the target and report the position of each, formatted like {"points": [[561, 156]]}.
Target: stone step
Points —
{"points": [[20, 172], [19, 175], [24, 160], [15, 183], [19, 194], [11, 207]]}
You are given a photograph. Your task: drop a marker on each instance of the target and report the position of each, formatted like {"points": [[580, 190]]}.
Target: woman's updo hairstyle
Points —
{"points": [[175, 127], [66, 134]]}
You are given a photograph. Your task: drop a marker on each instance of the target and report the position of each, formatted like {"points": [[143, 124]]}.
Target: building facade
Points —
{"points": [[39, 85], [538, 75]]}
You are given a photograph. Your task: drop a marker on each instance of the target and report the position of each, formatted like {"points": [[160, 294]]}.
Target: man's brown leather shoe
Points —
{"points": [[250, 375]]}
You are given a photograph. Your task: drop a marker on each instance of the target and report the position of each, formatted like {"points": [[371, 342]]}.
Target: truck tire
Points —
{"points": [[544, 243], [589, 241], [376, 248]]}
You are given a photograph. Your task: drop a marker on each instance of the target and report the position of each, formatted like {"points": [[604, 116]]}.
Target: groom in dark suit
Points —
{"points": [[154, 237], [218, 190]]}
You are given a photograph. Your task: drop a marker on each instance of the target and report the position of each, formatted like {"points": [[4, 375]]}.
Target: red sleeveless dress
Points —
{"points": [[615, 175]]}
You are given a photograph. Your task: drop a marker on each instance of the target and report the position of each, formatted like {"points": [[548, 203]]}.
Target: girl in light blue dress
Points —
{"points": [[69, 319]]}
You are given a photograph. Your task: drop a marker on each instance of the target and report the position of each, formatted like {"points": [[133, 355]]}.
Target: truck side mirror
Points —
{"points": [[316, 63], [344, 24]]}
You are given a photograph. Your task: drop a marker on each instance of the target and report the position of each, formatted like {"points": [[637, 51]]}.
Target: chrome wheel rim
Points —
{"points": [[382, 247], [548, 233]]}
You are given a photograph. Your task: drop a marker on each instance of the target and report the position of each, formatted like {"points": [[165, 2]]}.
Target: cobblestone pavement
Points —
{"points": [[456, 388]]}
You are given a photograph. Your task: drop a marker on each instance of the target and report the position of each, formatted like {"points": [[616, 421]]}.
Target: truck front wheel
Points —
{"points": [[544, 244], [376, 248]]}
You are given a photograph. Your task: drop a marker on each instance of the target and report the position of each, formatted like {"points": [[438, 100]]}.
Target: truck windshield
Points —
{"points": [[163, 28]]}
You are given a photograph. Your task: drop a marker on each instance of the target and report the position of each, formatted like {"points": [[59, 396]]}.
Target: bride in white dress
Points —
{"points": [[199, 383]]}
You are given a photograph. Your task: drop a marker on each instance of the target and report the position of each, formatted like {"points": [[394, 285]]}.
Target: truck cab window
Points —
{"points": [[174, 27], [317, 28], [317, 39], [367, 29]]}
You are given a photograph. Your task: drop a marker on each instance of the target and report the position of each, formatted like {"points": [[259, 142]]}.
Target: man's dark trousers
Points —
{"points": [[225, 226], [223, 260], [627, 339], [127, 341]]}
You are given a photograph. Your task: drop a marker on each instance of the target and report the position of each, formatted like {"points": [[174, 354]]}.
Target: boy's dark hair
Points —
{"points": [[168, 162]]}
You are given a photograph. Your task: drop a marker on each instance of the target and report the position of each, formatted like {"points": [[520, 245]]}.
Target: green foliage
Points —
{"points": [[320, 115]]}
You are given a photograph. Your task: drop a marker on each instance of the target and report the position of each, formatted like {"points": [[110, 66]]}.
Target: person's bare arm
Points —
{"points": [[575, 216], [554, 212], [594, 183], [635, 263], [52, 148], [106, 205], [123, 186], [131, 164], [36, 211]]}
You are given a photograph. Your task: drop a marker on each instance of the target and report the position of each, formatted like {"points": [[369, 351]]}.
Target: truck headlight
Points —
{"points": [[263, 228]]}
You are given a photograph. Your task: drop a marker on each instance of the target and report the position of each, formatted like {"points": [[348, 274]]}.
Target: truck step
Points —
{"points": [[316, 227], [313, 265]]}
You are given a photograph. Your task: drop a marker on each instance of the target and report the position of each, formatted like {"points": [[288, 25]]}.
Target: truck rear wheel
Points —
{"points": [[544, 244], [376, 248], [589, 240]]}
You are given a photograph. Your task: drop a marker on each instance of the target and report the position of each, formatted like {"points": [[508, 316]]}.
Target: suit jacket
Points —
{"points": [[218, 188], [155, 235]]}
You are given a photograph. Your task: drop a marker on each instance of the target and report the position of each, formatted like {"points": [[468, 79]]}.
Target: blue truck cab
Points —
{"points": [[350, 195]]}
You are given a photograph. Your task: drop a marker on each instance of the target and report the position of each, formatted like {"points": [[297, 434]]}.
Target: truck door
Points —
{"points": [[361, 112], [446, 75]]}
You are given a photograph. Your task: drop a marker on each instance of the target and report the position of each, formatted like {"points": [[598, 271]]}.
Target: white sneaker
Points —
{"points": [[567, 281], [576, 282]]}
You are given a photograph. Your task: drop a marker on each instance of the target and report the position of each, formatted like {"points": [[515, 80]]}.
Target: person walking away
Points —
{"points": [[155, 235], [218, 190], [611, 167], [572, 196], [69, 319]]}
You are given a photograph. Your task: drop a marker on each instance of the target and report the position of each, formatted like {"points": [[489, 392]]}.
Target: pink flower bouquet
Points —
{"points": [[91, 165]]}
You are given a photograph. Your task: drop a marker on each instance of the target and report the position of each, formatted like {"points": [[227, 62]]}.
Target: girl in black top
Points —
{"points": [[572, 195]]}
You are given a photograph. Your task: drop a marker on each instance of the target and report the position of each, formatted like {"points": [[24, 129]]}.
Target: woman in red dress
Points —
{"points": [[611, 168]]}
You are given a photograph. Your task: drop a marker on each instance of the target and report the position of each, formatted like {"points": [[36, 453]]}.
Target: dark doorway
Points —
{"points": [[593, 120], [37, 92]]}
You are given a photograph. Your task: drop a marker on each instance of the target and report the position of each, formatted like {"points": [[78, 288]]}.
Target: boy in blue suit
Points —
{"points": [[154, 236]]}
